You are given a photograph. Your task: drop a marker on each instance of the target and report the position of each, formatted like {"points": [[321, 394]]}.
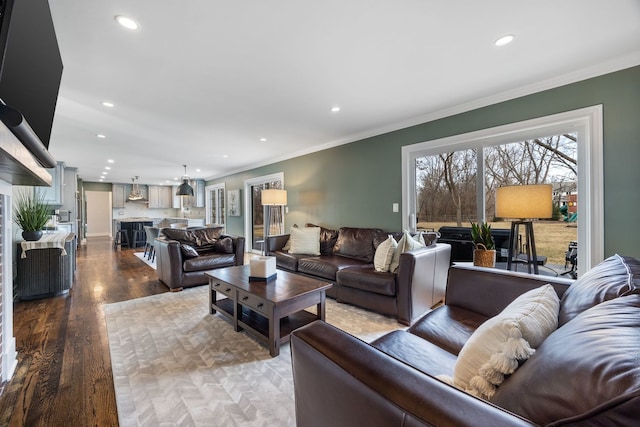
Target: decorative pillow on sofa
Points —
{"points": [[328, 239], [188, 251], [384, 254], [305, 241], [287, 245], [614, 277], [406, 243], [224, 245], [499, 344]]}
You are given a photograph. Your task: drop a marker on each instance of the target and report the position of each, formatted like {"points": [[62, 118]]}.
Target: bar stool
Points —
{"points": [[121, 238], [152, 233], [138, 236]]}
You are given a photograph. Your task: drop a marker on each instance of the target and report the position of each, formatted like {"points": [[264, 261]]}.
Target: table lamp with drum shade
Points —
{"points": [[270, 198], [524, 203]]}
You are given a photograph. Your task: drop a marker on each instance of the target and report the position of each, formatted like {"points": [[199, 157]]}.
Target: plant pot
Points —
{"points": [[32, 236], [484, 257]]}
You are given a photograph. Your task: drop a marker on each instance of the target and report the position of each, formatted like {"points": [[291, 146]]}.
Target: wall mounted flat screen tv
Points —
{"points": [[31, 64]]}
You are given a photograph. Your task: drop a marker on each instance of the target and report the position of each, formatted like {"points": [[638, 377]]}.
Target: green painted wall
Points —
{"points": [[355, 184]]}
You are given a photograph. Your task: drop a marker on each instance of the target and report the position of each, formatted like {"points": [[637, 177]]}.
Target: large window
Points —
{"points": [[452, 181], [255, 226]]}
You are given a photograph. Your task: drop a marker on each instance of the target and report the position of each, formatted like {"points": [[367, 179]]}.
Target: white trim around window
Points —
{"points": [[585, 122]]}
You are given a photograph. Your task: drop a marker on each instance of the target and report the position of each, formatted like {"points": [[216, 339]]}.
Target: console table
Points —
{"points": [[46, 267], [271, 310]]}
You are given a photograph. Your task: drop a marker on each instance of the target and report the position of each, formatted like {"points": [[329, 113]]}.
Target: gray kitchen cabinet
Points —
{"points": [[160, 197], [154, 196], [118, 195], [54, 195], [177, 203], [166, 197], [200, 196]]}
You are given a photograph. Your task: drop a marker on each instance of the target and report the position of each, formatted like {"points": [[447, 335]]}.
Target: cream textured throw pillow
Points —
{"points": [[384, 254], [406, 243], [305, 241], [499, 344]]}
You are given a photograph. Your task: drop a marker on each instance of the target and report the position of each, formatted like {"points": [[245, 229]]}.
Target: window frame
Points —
{"points": [[585, 122]]}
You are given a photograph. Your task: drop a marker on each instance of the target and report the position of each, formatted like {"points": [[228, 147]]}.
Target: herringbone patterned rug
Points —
{"points": [[174, 364]]}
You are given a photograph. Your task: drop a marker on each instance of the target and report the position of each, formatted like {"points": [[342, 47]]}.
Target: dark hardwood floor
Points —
{"points": [[64, 377]]}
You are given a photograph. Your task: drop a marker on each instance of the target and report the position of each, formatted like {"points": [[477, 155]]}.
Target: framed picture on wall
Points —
{"points": [[233, 200]]}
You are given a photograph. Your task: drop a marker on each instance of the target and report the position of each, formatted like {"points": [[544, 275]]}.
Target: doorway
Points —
{"points": [[254, 218], [99, 213]]}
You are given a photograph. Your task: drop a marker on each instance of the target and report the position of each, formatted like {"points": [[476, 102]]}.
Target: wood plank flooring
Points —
{"points": [[64, 377]]}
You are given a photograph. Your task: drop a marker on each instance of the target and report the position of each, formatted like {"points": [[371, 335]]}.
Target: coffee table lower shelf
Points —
{"points": [[258, 325]]}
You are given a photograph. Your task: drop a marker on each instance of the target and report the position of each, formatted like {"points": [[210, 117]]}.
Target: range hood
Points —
{"points": [[135, 196]]}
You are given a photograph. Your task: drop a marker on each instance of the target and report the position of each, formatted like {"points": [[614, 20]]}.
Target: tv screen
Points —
{"points": [[31, 66]]}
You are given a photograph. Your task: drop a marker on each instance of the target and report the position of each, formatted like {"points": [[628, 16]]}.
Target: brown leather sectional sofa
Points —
{"points": [[346, 260], [585, 373], [183, 256]]}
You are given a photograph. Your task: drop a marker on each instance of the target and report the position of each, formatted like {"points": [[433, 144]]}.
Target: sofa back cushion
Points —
{"points": [[356, 243], [587, 371], [328, 239], [614, 277], [200, 237]]}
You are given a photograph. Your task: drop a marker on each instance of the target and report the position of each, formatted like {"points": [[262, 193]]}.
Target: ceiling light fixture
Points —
{"points": [[108, 104], [107, 167], [504, 40], [263, 139], [127, 23], [185, 189], [335, 109], [101, 136]]}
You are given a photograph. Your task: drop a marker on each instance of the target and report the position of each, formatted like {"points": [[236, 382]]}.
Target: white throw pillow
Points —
{"points": [[384, 254], [305, 241], [406, 243], [499, 344]]}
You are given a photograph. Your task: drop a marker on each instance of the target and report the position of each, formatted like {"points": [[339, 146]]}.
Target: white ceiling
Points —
{"points": [[205, 79]]}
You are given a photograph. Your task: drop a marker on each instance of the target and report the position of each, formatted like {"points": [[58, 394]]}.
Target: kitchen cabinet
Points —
{"points": [[200, 196], [177, 203], [160, 197], [118, 195], [54, 195]]}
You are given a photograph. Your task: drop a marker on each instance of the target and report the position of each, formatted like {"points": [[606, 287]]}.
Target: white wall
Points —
{"points": [[98, 213]]}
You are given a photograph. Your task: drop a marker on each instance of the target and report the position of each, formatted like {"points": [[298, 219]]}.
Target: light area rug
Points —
{"points": [[174, 364], [144, 259]]}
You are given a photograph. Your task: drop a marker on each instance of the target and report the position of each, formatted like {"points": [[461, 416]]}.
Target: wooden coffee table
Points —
{"points": [[271, 310]]}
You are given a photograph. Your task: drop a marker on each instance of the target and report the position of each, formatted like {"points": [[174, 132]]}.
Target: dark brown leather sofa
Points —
{"points": [[183, 256], [586, 373], [346, 260]]}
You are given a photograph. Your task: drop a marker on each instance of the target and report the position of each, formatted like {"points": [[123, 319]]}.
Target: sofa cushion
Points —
{"points": [[328, 239], [356, 243], [497, 346], [367, 279], [224, 245], [179, 234], [208, 262], [586, 370], [188, 251], [305, 241], [449, 327], [416, 352], [613, 277], [206, 236], [287, 260], [326, 266], [384, 254], [406, 243]]}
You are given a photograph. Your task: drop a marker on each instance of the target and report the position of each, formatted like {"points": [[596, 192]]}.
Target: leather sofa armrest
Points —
{"points": [[169, 262], [488, 291], [342, 381], [238, 248], [421, 280], [275, 243]]}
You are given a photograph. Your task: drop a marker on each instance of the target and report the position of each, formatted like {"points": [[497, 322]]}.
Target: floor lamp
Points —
{"points": [[271, 198], [525, 202]]}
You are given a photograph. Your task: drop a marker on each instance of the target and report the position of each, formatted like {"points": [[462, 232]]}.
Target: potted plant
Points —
{"points": [[484, 254], [31, 213]]}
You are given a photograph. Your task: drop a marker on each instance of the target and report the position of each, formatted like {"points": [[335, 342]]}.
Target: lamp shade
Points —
{"points": [[274, 197], [524, 201]]}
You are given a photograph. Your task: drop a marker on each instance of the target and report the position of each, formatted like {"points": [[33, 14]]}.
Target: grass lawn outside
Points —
{"points": [[552, 237]]}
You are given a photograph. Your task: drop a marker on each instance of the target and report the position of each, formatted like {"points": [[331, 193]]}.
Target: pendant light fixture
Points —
{"points": [[185, 189]]}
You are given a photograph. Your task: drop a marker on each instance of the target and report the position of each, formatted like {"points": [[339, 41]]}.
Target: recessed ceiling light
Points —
{"points": [[335, 109], [105, 173], [127, 23], [108, 104], [100, 180], [225, 156], [263, 139], [197, 170], [504, 40], [110, 161], [101, 136], [107, 167]]}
